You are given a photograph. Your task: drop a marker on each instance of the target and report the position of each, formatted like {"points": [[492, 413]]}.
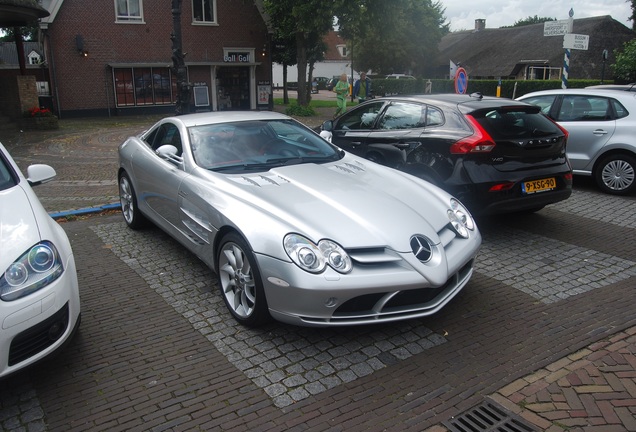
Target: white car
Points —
{"points": [[39, 294], [296, 228]]}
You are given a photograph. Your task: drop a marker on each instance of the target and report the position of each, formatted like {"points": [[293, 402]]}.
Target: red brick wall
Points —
{"points": [[85, 83]]}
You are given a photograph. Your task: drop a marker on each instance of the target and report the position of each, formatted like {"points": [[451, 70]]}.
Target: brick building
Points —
{"points": [[114, 57]]}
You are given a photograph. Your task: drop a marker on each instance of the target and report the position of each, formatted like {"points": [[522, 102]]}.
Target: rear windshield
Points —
{"points": [[516, 124]]}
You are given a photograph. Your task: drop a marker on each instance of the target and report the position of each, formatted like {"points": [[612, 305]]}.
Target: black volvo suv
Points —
{"points": [[496, 155]]}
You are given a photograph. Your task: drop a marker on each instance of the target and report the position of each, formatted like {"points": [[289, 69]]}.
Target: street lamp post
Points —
{"points": [[178, 62], [605, 53]]}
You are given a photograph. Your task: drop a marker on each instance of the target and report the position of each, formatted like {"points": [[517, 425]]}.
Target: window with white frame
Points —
{"points": [[342, 49], [34, 58], [204, 11], [129, 10]]}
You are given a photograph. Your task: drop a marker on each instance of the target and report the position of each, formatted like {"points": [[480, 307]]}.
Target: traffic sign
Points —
{"points": [[576, 41], [557, 28], [461, 81]]}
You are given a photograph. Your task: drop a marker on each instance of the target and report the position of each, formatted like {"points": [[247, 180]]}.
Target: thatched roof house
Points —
{"points": [[524, 53]]}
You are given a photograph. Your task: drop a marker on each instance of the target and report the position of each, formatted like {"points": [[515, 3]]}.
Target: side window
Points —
{"points": [[403, 116], [167, 133], [434, 117], [362, 118], [204, 11], [544, 102], [584, 108], [129, 11], [619, 109]]}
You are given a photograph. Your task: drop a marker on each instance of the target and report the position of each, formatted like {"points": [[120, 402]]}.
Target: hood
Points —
{"points": [[18, 225], [358, 204]]}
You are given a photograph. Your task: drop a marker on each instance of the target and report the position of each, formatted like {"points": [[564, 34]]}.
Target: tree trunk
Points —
{"points": [[285, 94], [302, 69]]}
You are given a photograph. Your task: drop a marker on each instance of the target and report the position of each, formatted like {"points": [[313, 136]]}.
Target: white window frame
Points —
{"points": [[129, 19], [214, 21], [34, 58], [342, 50]]}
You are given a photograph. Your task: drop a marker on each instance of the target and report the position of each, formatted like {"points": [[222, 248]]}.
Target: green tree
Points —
{"points": [[306, 21], [29, 33], [530, 20], [393, 37], [625, 65]]}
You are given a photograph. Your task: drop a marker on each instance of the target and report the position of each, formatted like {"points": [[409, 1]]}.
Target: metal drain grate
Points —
{"points": [[488, 417]]}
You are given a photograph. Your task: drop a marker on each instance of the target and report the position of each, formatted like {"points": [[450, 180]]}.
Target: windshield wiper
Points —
{"points": [[276, 162]]}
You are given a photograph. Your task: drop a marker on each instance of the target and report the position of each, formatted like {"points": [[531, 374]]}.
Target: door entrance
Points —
{"points": [[233, 88]]}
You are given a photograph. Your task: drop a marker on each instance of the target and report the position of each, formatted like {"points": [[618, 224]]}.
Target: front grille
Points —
{"points": [[39, 337], [405, 303]]}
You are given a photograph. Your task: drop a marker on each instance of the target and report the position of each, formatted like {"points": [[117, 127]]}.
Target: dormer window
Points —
{"points": [[34, 58], [342, 49]]}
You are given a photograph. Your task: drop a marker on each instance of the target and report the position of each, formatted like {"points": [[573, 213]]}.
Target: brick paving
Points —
{"points": [[545, 328]]}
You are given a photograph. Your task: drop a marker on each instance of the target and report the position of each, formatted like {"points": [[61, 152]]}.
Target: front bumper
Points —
{"points": [[365, 296], [35, 326]]}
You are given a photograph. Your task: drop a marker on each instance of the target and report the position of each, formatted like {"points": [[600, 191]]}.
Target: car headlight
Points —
{"points": [[460, 218], [34, 270], [313, 257]]}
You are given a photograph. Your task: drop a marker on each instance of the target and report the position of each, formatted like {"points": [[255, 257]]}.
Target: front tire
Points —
{"points": [[129, 208], [616, 174], [240, 282]]}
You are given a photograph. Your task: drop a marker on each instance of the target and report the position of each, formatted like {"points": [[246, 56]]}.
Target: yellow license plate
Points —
{"points": [[542, 185]]}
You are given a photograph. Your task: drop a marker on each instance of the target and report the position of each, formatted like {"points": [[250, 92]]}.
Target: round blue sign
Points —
{"points": [[461, 81]]}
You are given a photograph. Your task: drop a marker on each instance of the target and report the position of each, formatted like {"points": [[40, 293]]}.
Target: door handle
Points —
{"points": [[356, 143], [599, 132]]}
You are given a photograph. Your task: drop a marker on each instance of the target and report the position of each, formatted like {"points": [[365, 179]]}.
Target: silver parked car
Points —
{"points": [[295, 228], [602, 127]]}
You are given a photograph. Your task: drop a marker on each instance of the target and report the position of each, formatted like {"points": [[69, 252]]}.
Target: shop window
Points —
{"points": [[204, 11], [144, 86], [129, 10]]}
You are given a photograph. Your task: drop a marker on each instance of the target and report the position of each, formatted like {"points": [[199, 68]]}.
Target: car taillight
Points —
{"points": [[501, 187], [479, 142], [565, 132]]}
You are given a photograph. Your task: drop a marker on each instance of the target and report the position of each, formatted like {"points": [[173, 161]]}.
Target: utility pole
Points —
{"points": [[182, 105]]}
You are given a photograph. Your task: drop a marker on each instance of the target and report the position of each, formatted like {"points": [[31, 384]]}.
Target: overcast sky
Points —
{"points": [[462, 14]]}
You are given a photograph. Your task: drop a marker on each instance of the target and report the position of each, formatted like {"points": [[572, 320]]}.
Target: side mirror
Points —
{"points": [[169, 152], [39, 173], [327, 125]]}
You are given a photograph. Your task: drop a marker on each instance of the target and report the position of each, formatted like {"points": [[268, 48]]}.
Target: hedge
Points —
{"points": [[509, 88]]}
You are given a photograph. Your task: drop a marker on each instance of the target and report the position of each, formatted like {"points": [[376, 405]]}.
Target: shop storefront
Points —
{"points": [[230, 85]]}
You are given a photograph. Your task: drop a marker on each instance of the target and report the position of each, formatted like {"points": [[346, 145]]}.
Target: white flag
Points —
{"points": [[453, 70]]}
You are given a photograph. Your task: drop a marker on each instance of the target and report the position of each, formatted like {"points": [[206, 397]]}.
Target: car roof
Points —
{"points": [[473, 101], [216, 117], [584, 91], [624, 87]]}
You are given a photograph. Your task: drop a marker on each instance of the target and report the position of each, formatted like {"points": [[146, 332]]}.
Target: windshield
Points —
{"points": [[257, 145]]}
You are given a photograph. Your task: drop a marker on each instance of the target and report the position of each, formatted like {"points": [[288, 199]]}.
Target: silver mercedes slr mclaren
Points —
{"points": [[294, 227]]}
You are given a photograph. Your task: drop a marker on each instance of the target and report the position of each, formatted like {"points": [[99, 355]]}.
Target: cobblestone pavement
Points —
{"points": [[545, 329]]}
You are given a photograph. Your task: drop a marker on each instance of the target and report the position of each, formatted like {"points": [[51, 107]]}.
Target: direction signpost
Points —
{"points": [[570, 41]]}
